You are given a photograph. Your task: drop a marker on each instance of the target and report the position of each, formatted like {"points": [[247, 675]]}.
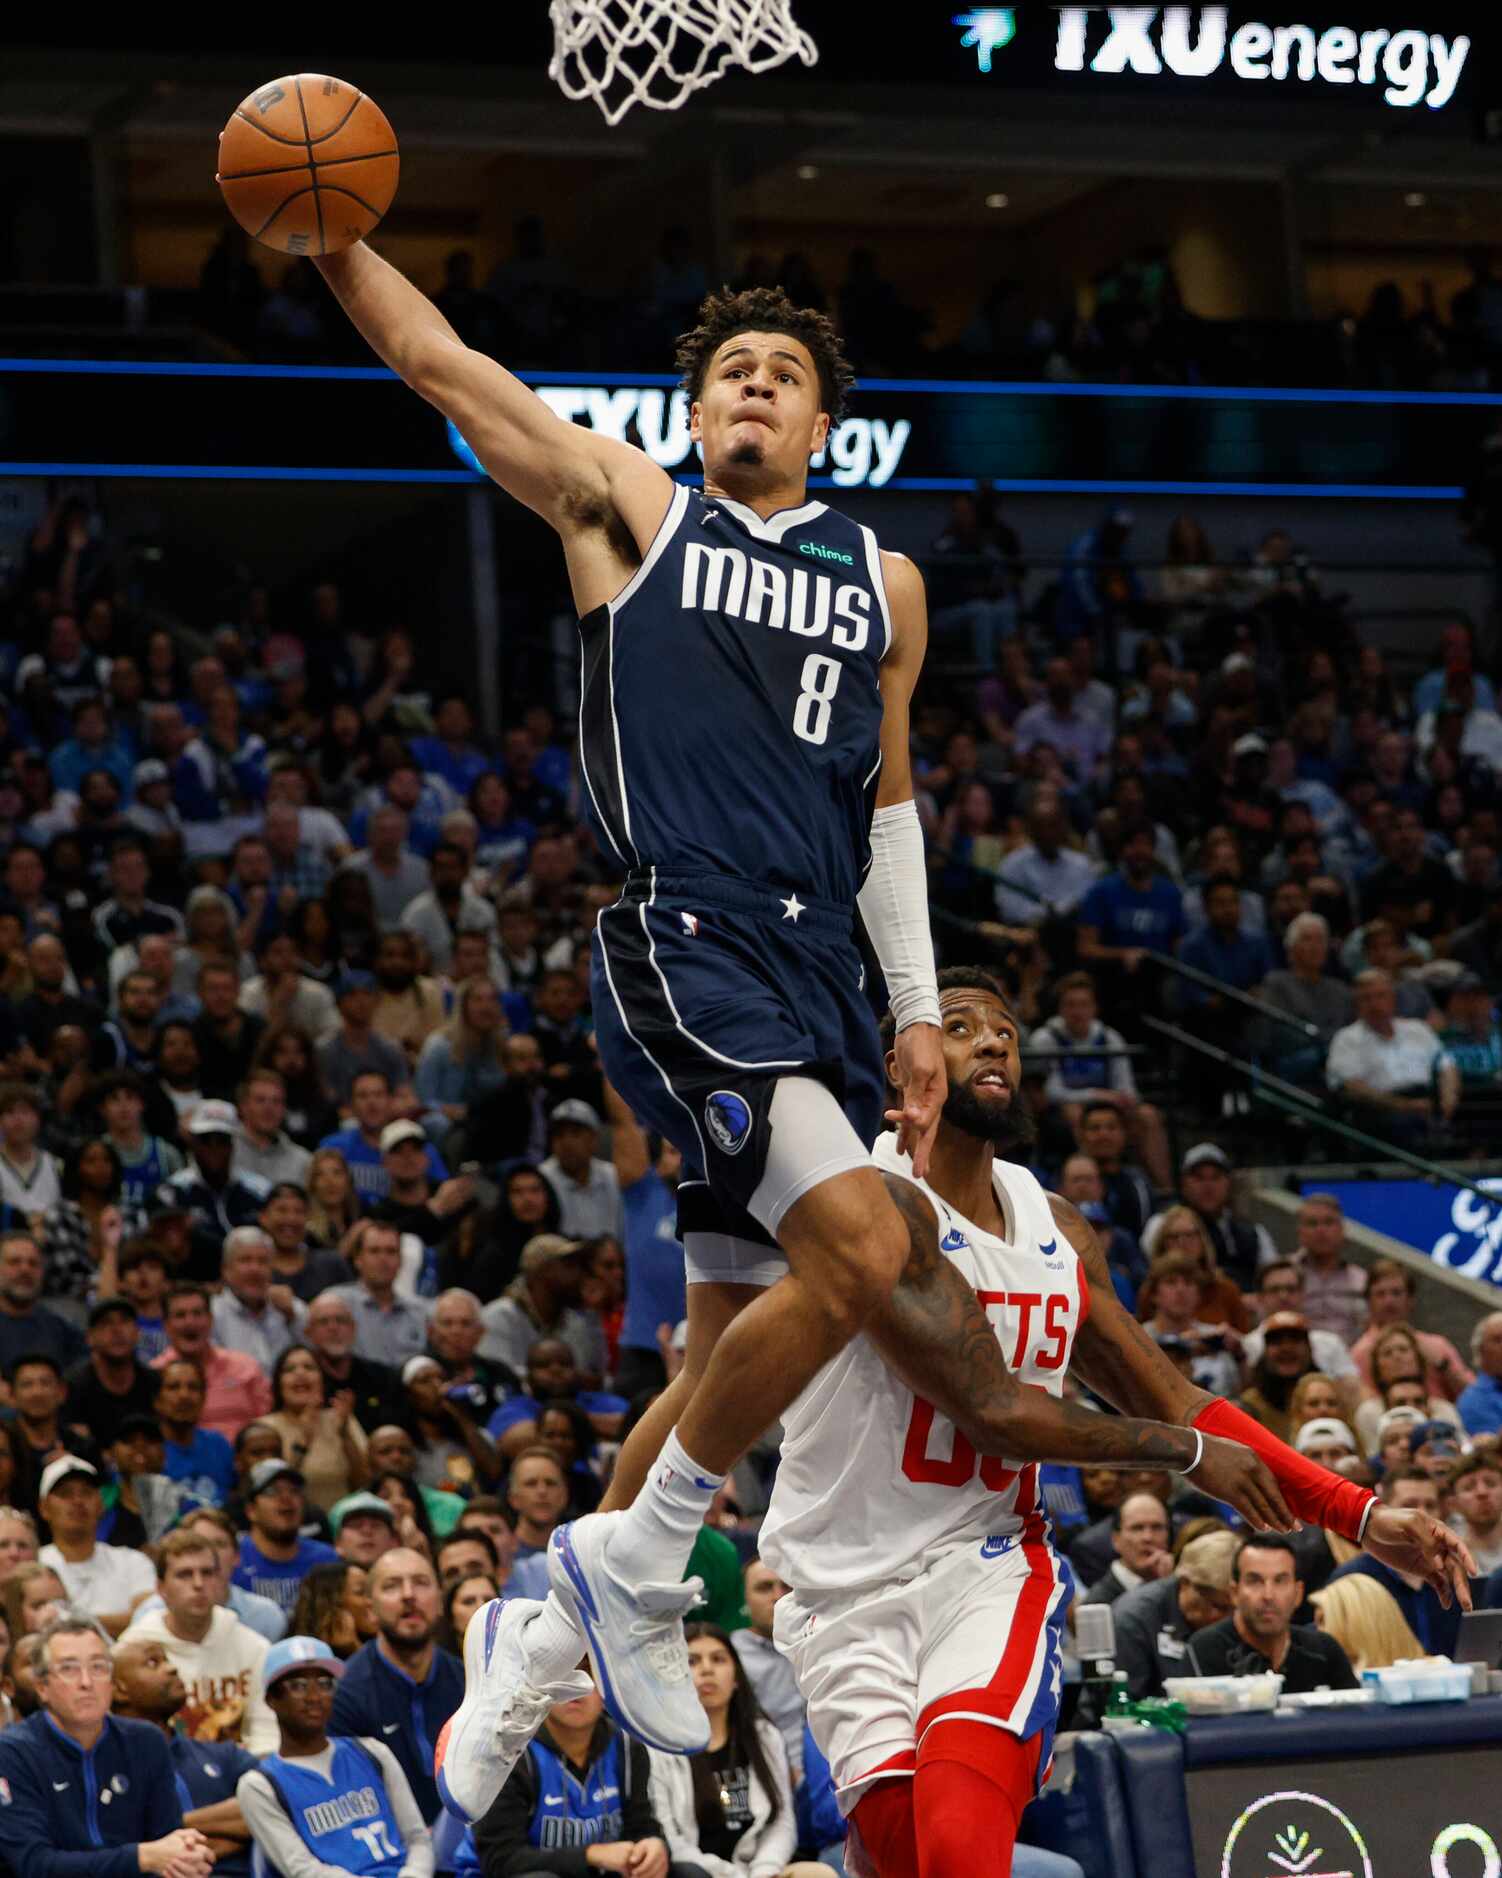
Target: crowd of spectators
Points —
{"points": [[529, 312], [332, 1269], [1253, 792]]}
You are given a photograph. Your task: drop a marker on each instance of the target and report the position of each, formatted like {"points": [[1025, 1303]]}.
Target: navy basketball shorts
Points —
{"points": [[708, 992]]}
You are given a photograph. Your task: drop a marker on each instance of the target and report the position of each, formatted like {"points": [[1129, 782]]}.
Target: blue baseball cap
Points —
{"points": [[294, 1653], [354, 978]]}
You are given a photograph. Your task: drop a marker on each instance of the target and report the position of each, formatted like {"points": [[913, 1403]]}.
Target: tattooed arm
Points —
{"points": [[933, 1333]]}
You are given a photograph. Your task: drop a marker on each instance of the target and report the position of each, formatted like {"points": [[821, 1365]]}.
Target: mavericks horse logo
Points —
{"points": [[727, 1116]]}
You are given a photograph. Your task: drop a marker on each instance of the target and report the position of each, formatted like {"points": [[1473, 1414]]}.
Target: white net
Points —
{"points": [[655, 52]]}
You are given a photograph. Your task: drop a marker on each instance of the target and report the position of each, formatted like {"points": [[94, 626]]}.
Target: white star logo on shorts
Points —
{"points": [[792, 906]]}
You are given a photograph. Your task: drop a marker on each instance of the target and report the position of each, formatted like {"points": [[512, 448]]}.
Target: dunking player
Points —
{"points": [[748, 660], [927, 1600]]}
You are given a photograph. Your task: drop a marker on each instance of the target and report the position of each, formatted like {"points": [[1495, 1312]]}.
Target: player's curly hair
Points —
{"points": [[767, 310]]}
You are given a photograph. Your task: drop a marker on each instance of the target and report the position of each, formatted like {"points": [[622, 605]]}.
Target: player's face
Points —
{"points": [[757, 416], [984, 1067]]}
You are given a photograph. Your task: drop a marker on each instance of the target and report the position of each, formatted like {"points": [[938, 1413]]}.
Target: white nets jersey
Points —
{"points": [[873, 1482]]}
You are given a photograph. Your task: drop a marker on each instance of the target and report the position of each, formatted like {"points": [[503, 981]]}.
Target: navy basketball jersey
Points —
{"points": [[730, 717], [571, 1812], [347, 1819]]}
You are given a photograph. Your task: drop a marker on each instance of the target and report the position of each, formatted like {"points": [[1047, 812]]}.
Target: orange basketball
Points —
{"points": [[308, 164]]}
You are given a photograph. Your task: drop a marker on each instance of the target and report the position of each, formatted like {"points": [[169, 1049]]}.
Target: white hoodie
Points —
{"points": [[224, 1676], [767, 1845]]}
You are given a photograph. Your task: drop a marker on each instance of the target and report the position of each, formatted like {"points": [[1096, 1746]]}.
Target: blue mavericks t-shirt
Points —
{"points": [[205, 1465], [347, 1820], [279, 1579], [571, 1812], [655, 1291], [1125, 915]]}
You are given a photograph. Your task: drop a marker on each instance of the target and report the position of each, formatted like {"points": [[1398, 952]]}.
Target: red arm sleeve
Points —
{"points": [[1313, 1492]]}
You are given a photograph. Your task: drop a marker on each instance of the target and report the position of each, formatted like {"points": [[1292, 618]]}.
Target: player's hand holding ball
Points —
{"points": [[308, 164]]}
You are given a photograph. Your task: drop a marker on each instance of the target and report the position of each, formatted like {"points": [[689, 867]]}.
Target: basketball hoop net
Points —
{"points": [[655, 52]]}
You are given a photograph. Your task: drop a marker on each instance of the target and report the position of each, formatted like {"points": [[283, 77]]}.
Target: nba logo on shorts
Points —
{"points": [[727, 1116]]}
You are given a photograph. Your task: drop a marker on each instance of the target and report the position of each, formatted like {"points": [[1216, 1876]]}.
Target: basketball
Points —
{"points": [[308, 164]]}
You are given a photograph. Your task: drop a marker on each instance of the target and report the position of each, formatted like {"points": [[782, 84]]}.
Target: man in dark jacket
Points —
{"points": [[59, 1767], [1258, 1638], [1155, 1622], [581, 1786], [400, 1688]]}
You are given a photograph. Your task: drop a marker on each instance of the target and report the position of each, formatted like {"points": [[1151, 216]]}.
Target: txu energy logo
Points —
{"points": [[988, 29], [1410, 65]]}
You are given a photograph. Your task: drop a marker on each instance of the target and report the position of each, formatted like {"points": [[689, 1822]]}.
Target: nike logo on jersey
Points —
{"points": [[552, 1799], [995, 1546], [390, 1728], [59, 1786], [729, 581], [953, 1241]]}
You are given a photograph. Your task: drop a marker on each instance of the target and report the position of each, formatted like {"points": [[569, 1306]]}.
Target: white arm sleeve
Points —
{"points": [[894, 905]]}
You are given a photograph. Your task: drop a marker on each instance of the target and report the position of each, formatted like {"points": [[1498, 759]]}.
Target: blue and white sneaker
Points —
{"points": [[635, 1638], [488, 1733]]}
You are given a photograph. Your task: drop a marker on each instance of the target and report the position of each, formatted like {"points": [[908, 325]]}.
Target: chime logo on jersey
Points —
{"points": [[727, 1116], [726, 580]]}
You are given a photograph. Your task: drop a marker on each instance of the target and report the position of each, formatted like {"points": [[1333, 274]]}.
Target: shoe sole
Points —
{"points": [[479, 1640], [573, 1589]]}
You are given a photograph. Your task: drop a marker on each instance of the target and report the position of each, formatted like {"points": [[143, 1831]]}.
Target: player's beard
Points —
{"points": [[749, 454], [1008, 1130]]}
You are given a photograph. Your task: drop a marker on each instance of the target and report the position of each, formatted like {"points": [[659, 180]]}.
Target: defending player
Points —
{"points": [[748, 657], [927, 1599]]}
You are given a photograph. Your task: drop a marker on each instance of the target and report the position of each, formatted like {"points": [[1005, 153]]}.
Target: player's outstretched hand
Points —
{"points": [[924, 1084], [1413, 1542], [1241, 1478]]}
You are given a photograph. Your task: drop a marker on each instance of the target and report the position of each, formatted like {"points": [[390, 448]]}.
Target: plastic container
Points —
{"points": [[1224, 1695], [1420, 1682]]}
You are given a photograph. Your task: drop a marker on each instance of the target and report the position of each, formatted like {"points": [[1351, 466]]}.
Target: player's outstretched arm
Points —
{"points": [[1120, 1362], [933, 1333], [556, 468]]}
